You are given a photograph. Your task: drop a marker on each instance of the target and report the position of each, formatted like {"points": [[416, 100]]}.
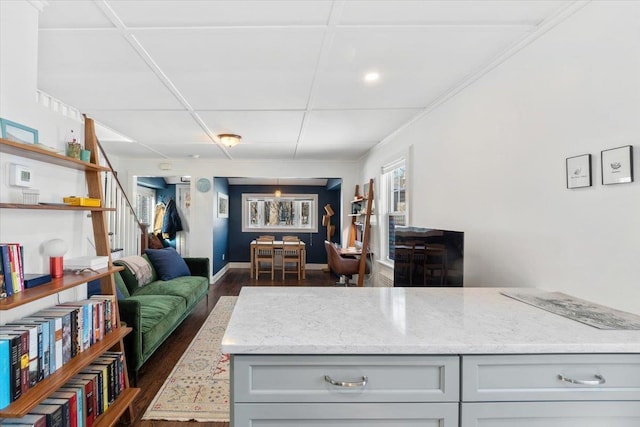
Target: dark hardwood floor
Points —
{"points": [[155, 371]]}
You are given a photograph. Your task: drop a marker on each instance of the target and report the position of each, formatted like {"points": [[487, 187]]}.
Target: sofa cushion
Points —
{"points": [[158, 315], [191, 288], [168, 263]]}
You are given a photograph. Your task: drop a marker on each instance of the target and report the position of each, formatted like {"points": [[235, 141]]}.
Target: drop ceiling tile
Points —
{"points": [[411, 12], [127, 150], [179, 150], [275, 151], [256, 126], [98, 70], [332, 151], [353, 126], [153, 127], [238, 69], [415, 64], [73, 14], [187, 13]]}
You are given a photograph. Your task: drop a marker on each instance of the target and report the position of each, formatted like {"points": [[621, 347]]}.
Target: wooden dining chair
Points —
{"points": [[264, 260], [292, 257], [290, 239], [265, 238]]}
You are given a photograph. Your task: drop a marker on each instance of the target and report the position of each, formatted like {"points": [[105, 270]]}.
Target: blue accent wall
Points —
{"points": [[239, 242], [220, 227]]}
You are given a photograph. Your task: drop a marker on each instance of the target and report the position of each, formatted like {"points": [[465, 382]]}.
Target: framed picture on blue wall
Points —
{"points": [[223, 205]]}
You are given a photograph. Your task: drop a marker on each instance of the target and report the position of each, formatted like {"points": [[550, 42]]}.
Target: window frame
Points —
{"points": [[388, 193], [262, 198]]}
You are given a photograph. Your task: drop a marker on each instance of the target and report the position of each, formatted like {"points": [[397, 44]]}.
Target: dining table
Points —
{"points": [[276, 244]]}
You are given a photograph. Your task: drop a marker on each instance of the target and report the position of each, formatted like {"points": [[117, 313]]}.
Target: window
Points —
{"points": [[394, 204], [145, 203], [289, 213]]}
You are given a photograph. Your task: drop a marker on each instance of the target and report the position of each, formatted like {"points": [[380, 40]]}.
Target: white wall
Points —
{"points": [[18, 102], [491, 162]]}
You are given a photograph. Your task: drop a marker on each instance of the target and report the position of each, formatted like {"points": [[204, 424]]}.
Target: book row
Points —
{"points": [[11, 268], [82, 399], [34, 347]]}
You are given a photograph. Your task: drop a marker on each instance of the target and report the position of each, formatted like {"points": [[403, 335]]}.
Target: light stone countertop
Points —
{"points": [[315, 320]]}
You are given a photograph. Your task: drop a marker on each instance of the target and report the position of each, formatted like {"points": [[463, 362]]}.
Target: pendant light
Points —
{"points": [[278, 193]]}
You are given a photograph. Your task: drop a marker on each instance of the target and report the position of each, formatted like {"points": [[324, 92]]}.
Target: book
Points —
{"points": [[49, 340], [34, 347], [99, 387], [90, 402], [5, 373], [64, 314], [78, 390], [66, 409], [6, 269], [31, 280], [29, 420], [72, 398], [24, 355], [14, 356], [109, 314], [93, 262], [53, 413]]}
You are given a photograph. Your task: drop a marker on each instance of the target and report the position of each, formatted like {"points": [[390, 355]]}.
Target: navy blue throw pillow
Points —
{"points": [[168, 263]]}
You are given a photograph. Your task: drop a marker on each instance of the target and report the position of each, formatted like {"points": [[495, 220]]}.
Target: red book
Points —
{"points": [[89, 398], [73, 405]]}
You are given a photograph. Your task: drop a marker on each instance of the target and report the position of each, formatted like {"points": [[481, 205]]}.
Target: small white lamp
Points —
{"points": [[55, 248]]}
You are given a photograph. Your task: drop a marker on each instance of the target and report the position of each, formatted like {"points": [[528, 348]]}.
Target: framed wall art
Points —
{"points": [[579, 171], [617, 165], [18, 133], [223, 205]]}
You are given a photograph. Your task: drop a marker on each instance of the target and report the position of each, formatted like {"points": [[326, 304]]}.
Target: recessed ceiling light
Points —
{"points": [[372, 76], [195, 156]]}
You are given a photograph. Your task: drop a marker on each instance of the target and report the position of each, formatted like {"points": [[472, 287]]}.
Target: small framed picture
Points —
{"points": [[617, 165], [18, 133], [579, 171], [223, 205]]}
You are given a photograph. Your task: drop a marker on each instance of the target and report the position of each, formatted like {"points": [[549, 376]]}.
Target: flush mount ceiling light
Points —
{"points": [[229, 139], [371, 77]]}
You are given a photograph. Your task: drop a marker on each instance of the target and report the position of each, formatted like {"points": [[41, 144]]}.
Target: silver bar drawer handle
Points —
{"points": [[362, 383], [599, 380]]}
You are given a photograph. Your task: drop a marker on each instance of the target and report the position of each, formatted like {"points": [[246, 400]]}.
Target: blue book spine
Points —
{"points": [[5, 373], [6, 269]]}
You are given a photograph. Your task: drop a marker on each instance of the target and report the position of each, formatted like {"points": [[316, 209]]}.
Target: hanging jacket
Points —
{"points": [[172, 223], [158, 218]]}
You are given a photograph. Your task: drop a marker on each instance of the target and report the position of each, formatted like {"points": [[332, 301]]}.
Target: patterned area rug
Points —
{"points": [[198, 387]]}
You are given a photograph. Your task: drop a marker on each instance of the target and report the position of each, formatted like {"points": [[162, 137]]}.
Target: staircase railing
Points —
{"points": [[127, 234]]}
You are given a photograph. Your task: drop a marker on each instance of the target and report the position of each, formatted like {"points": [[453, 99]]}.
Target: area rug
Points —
{"points": [[198, 387]]}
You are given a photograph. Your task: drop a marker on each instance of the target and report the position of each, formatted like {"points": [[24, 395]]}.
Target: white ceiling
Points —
{"points": [[286, 75]]}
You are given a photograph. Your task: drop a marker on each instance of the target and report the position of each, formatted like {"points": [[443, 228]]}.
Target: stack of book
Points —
{"points": [[34, 347], [86, 262]]}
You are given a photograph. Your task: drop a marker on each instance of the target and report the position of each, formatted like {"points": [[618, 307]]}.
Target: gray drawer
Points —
{"points": [[551, 414], [536, 377], [302, 378], [345, 415]]}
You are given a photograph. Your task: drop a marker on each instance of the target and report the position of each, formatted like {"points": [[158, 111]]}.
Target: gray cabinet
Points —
{"points": [[562, 390], [362, 391]]}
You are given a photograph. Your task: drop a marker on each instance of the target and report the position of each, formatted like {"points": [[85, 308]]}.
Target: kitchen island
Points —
{"points": [[423, 356]]}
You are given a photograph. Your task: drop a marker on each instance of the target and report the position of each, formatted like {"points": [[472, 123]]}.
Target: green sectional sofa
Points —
{"points": [[155, 307]]}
